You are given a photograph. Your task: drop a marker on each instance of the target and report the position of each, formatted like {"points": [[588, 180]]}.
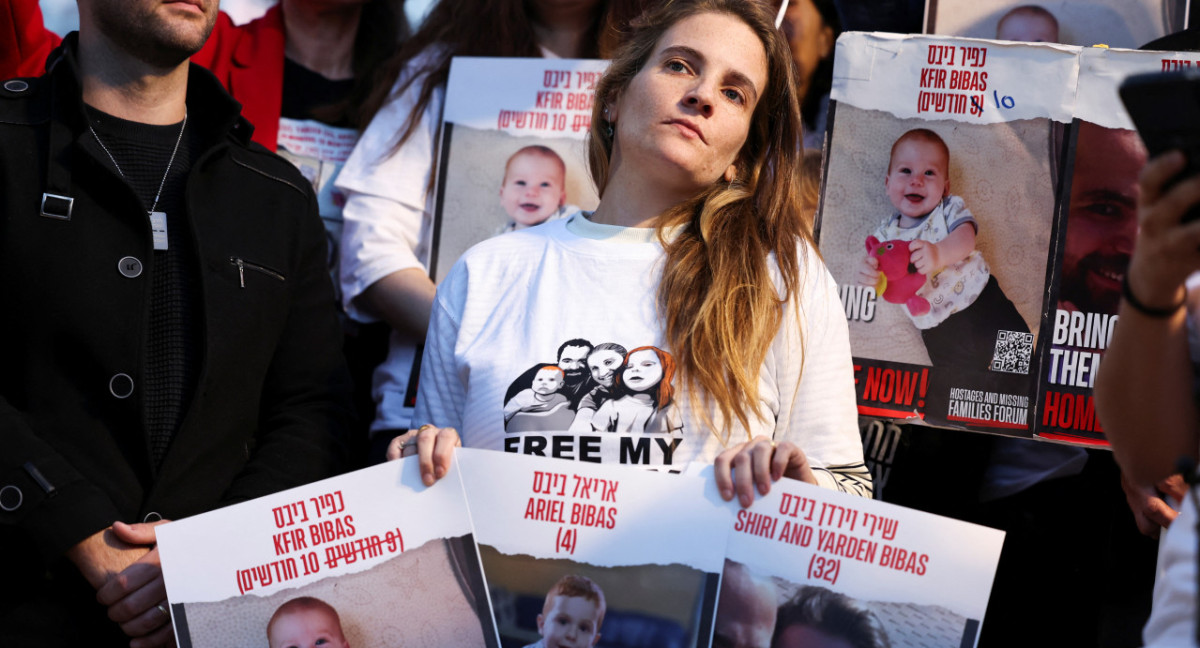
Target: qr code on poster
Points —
{"points": [[1013, 350]]}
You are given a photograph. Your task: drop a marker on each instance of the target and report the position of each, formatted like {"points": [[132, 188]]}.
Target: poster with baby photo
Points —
{"points": [[1115, 23], [809, 566], [937, 218], [330, 564], [580, 554], [1101, 192], [512, 152]]}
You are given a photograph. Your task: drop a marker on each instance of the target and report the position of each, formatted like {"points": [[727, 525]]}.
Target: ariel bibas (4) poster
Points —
{"points": [[810, 566], [937, 220], [344, 553], [587, 550]]}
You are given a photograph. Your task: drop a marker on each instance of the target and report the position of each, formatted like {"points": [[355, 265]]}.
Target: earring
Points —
{"points": [[608, 130]]}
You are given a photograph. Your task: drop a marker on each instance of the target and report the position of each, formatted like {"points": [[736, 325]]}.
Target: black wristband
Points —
{"points": [[1148, 311]]}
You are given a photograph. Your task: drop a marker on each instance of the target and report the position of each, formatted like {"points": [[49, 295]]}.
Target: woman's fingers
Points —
{"points": [[723, 469], [434, 447], [791, 462], [761, 451], [743, 477], [426, 440], [444, 443], [747, 469], [397, 445]]}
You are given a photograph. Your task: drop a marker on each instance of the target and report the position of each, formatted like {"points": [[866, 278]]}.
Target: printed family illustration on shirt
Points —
{"points": [[595, 388]]}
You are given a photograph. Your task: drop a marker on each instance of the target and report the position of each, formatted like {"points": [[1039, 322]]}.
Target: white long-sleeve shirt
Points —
{"points": [[387, 226]]}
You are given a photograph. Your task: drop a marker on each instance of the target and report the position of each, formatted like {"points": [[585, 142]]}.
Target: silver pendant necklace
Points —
{"points": [[158, 220]]}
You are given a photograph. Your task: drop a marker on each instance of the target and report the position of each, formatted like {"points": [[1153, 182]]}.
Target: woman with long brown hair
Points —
{"points": [[697, 247], [388, 178]]}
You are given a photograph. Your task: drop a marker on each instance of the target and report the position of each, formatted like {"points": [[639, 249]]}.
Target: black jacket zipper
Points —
{"points": [[243, 265]]}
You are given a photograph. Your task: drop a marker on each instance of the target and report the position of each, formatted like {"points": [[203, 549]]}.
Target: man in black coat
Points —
{"points": [[168, 340]]}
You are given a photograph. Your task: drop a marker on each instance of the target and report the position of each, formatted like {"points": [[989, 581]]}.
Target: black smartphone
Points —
{"points": [[1165, 107]]}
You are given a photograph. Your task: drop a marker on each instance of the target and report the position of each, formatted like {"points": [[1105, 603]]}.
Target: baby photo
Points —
{"points": [[1116, 23], [923, 255], [494, 183], [1030, 24], [439, 585], [303, 622], [534, 189], [948, 224]]}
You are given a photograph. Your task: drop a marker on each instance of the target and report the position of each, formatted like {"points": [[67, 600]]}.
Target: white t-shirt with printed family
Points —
{"points": [[510, 303]]}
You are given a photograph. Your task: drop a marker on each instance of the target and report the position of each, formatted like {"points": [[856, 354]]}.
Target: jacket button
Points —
{"points": [[16, 86], [120, 386], [11, 498], [152, 516], [130, 267]]}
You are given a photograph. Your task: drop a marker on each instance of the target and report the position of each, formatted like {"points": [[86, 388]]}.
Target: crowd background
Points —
{"points": [[1075, 561]]}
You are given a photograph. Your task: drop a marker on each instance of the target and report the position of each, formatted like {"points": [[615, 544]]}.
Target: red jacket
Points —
{"points": [[248, 59], [24, 40]]}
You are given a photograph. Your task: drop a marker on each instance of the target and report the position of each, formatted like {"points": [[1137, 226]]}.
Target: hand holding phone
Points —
{"points": [[1165, 107]]}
